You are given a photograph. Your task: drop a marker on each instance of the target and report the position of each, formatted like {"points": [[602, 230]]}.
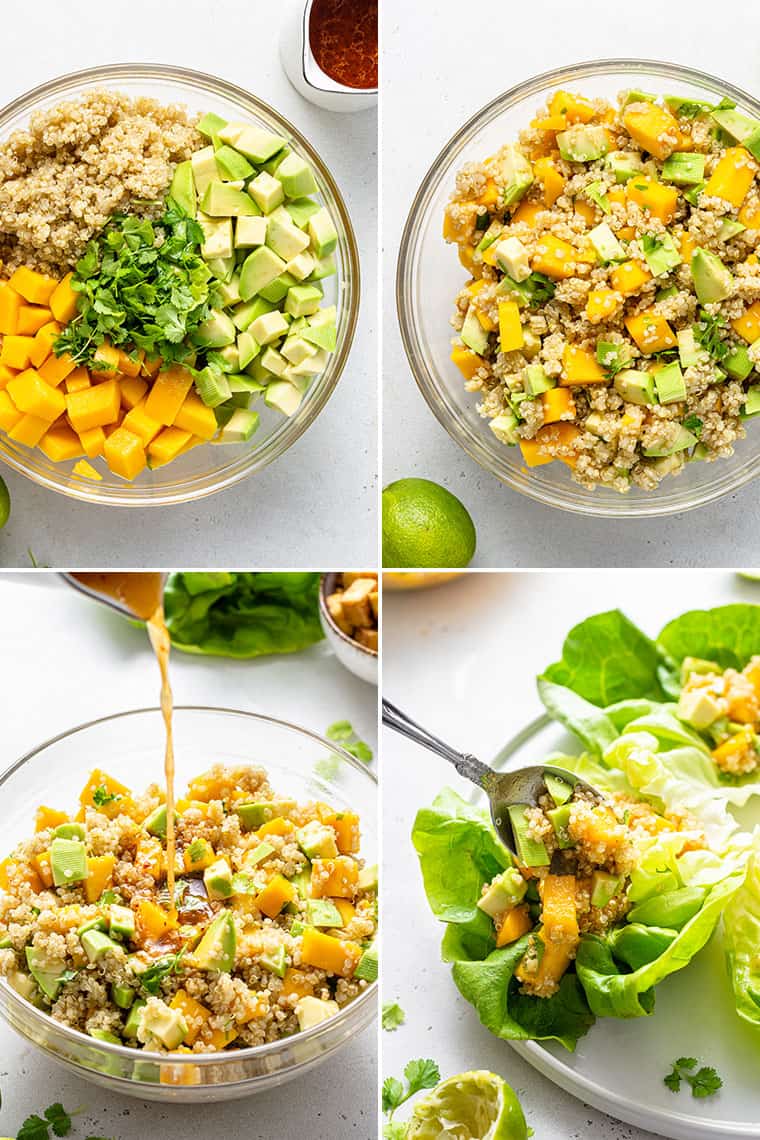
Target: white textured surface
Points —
{"points": [[316, 504], [462, 62], [462, 660], [48, 634]]}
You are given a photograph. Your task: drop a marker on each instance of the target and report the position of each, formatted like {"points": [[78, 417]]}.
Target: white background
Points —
{"points": [[66, 660], [316, 504], [462, 660], [437, 73]]}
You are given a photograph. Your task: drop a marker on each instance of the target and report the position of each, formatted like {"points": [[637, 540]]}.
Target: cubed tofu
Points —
{"points": [[356, 604], [368, 638]]}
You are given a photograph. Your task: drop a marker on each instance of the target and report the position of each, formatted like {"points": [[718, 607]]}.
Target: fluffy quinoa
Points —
{"points": [[725, 704], [572, 300], [80, 162], [590, 842], [274, 974]]}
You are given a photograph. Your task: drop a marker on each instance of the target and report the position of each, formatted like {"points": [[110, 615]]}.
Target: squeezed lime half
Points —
{"points": [[471, 1106]]}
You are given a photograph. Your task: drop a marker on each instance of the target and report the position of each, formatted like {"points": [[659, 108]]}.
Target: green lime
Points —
{"points": [[5, 503], [750, 575], [471, 1106], [424, 525]]}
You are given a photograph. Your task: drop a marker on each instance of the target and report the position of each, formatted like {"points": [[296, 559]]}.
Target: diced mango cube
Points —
{"points": [[600, 304], [585, 210], [124, 453], [105, 362], [733, 176], [141, 424], [580, 366], [467, 362], [10, 303], [553, 257], [34, 287], [29, 430], [652, 197], [93, 441], [86, 470], [56, 368], [652, 127], [195, 417], [77, 380], [553, 441], [651, 332], [61, 443], [328, 953], [168, 444], [553, 182], [168, 393], [629, 277], [31, 318], [95, 406], [130, 364], [527, 212], [43, 343], [748, 324], [6, 375], [571, 108], [16, 351], [9, 413], [63, 300], [133, 388], [30, 393], [557, 402], [510, 327]]}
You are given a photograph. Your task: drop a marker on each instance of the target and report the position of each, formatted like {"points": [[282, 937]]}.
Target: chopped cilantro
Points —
{"points": [[483, 221], [393, 1015], [612, 357], [420, 1074], [705, 1082], [101, 796], [38, 1127], [152, 978], [693, 424], [342, 732], [540, 289], [707, 333]]}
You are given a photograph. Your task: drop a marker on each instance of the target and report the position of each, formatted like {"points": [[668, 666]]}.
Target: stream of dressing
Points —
{"points": [[142, 595]]}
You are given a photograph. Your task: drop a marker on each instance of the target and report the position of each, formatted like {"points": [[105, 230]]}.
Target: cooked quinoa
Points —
{"points": [[724, 704], [612, 317], [583, 852], [80, 162], [272, 933]]}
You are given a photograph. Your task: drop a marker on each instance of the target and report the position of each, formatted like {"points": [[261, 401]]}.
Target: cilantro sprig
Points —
{"points": [[101, 796], [693, 424], [420, 1074], [393, 1016], [708, 332], [141, 285], [704, 1082], [342, 732]]}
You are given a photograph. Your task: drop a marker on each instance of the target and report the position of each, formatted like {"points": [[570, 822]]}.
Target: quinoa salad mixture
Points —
{"points": [[572, 875], [272, 930], [612, 316], [159, 272], [724, 704]]}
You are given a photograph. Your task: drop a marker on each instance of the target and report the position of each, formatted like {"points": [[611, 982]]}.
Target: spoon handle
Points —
{"points": [[466, 765]]}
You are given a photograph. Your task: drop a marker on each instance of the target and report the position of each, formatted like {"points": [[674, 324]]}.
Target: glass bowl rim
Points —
{"points": [[271, 448], [125, 1052], [564, 495]]}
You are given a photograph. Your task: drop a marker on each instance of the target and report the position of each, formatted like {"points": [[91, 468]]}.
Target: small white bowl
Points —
{"points": [[307, 76], [359, 660]]}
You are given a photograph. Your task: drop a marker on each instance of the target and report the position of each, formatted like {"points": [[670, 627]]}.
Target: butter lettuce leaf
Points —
{"points": [[728, 635], [741, 941], [607, 659]]}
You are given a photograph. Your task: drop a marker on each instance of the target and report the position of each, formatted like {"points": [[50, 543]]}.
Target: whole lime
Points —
{"points": [[424, 525]]}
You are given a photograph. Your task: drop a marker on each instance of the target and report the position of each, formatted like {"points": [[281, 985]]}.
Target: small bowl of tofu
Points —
{"points": [[349, 609]]}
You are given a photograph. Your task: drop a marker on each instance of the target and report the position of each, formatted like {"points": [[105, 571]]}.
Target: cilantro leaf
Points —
{"points": [[708, 334], [693, 424], [392, 1016], [101, 796], [421, 1074], [705, 1082], [673, 1080], [393, 1094], [340, 730], [394, 1130], [59, 1119], [33, 1128]]}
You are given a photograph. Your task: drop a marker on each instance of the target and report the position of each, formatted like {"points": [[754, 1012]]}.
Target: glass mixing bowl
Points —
{"points": [[129, 745], [429, 276], [209, 468]]}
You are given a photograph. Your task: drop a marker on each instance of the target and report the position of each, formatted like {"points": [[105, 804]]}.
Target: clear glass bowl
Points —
{"points": [[430, 275], [129, 745], [209, 468]]}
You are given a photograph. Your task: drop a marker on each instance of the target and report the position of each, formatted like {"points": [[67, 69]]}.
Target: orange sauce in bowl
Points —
{"points": [[343, 39]]}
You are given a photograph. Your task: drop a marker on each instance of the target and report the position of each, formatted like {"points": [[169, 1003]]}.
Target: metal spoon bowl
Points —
{"points": [[103, 598], [524, 787]]}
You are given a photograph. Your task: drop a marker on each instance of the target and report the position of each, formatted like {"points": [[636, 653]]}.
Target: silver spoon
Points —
{"points": [[523, 787], [105, 599]]}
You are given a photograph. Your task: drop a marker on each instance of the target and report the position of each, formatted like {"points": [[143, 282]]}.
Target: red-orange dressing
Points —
{"points": [[343, 40]]}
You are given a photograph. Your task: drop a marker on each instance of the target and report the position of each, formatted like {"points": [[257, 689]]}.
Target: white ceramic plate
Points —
{"points": [[619, 1066]]}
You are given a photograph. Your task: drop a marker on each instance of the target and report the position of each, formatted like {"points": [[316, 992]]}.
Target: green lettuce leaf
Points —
{"points": [[728, 635], [741, 940], [242, 615], [607, 659], [586, 720]]}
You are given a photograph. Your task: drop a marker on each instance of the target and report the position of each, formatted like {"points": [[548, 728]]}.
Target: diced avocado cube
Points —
{"points": [[512, 256], [283, 396], [274, 362], [220, 200], [684, 169], [254, 142], [132, 1024], [268, 328], [742, 128], [248, 348], [252, 815], [323, 267], [121, 922], [47, 973], [155, 823], [322, 233], [245, 314], [216, 331], [624, 164], [286, 239], [216, 949], [211, 124], [258, 855], [123, 996], [684, 439], [104, 1035], [182, 189], [516, 175], [250, 231], [218, 877], [303, 300], [611, 355], [241, 426], [297, 177], [266, 192], [312, 1011], [317, 840], [295, 349], [222, 268], [636, 95], [277, 962], [228, 292], [301, 266], [302, 882], [583, 142], [164, 1024], [217, 237], [752, 402], [729, 228], [535, 380], [473, 335], [321, 329], [532, 852], [277, 289], [260, 268], [686, 108], [605, 243], [692, 195], [231, 164], [70, 831], [690, 353], [368, 967], [96, 945], [559, 790], [504, 427], [203, 163], [660, 253], [322, 912], [738, 363], [635, 387], [242, 382], [698, 707], [560, 821], [273, 164], [665, 292], [212, 387], [301, 209], [506, 890], [68, 861], [698, 665], [492, 235], [310, 366], [98, 923], [712, 279], [368, 878], [670, 384], [604, 887]]}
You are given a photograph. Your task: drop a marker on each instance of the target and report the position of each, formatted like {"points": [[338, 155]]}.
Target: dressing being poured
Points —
{"points": [[142, 595]]}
